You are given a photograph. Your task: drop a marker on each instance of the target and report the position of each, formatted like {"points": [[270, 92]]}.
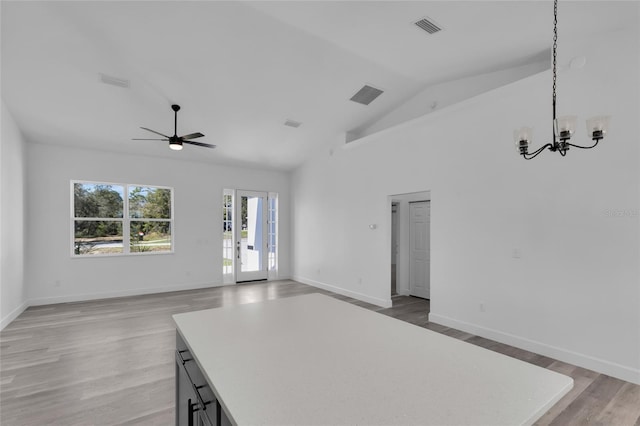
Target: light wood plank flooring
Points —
{"points": [[111, 361]]}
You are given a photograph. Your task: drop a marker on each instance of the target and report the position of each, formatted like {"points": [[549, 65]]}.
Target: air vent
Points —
{"points": [[428, 25], [114, 81], [366, 95], [292, 123]]}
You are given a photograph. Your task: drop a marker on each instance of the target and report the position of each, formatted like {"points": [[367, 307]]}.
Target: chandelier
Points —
{"points": [[563, 127]]}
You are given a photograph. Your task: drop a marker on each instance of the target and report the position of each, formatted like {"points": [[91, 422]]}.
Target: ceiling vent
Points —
{"points": [[428, 25], [366, 95], [114, 81], [291, 123]]}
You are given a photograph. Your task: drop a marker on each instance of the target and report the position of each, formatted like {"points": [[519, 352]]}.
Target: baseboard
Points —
{"points": [[13, 314], [612, 369], [280, 278], [363, 297], [123, 293], [38, 301]]}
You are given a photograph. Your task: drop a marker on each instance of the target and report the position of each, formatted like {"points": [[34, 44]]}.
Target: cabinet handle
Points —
{"points": [[179, 355], [191, 411], [203, 405]]}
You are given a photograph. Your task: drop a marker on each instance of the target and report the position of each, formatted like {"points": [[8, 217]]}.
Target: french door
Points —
{"points": [[251, 241]]}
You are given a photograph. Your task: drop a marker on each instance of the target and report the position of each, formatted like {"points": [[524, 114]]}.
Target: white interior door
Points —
{"points": [[394, 233], [251, 236], [419, 251], [394, 249]]}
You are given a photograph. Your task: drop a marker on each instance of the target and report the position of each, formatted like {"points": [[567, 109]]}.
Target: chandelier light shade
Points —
{"points": [[563, 127], [597, 126]]}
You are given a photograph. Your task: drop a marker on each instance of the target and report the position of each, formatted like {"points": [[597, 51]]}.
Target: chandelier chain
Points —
{"points": [[555, 48]]}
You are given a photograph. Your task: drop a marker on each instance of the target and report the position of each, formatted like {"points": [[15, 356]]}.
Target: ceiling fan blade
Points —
{"points": [[192, 136], [153, 131], [135, 139], [206, 145]]}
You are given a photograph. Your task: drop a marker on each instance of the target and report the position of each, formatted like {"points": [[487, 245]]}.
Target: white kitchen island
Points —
{"points": [[315, 360]]}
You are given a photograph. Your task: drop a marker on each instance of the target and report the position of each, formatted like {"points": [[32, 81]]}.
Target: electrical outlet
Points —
{"points": [[482, 309], [516, 253]]}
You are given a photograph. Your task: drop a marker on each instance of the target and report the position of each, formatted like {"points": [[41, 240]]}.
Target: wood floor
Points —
{"points": [[111, 361]]}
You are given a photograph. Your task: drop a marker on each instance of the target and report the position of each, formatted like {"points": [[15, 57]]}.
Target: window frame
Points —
{"points": [[125, 220], [228, 272], [272, 267]]}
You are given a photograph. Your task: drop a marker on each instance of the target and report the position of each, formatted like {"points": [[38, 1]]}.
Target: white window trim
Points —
{"points": [[229, 278], [125, 219], [273, 273]]}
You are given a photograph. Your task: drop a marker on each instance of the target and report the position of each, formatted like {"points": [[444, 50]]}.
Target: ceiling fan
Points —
{"points": [[175, 141]]}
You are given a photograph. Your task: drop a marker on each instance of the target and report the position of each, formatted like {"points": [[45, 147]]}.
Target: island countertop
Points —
{"points": [[313, 359]]}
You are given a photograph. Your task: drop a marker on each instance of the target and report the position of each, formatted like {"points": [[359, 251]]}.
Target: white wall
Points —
{"points": [[574, 293], [12, 217], [54, 276]]}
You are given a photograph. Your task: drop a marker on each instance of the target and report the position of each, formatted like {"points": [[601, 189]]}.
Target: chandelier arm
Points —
{"points": [[536, 152], [585, 147]]}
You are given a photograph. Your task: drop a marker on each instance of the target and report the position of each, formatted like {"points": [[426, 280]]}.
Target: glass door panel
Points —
{"points": [[251, 236]]}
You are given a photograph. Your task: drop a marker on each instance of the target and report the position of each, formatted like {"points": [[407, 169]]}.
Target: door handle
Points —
{"points": [[238, 249]]}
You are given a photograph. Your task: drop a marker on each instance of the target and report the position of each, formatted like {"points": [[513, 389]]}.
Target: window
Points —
{"points": [[121, 219]]}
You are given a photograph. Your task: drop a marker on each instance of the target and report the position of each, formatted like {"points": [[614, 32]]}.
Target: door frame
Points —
{"points": [[395, 233], [402, 259], [263, 272]]}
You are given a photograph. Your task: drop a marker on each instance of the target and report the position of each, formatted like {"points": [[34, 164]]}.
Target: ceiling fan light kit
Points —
{"points": [[175, 145], [176, 142], [563, 127]]}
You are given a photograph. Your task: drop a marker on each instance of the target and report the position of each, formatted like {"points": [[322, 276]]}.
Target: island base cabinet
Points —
{"points": [[196, 404]]}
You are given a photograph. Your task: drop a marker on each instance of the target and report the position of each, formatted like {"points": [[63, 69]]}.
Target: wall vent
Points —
{"points": [[292, 123], [366, 95], [114, 81], [428, 26]]}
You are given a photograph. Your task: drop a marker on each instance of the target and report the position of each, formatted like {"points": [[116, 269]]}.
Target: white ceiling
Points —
{"points": [[240, 69]]}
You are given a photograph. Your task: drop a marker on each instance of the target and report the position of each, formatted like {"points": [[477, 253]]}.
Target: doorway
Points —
{"points": [[251, 236], [410, 245], [394, 248]]}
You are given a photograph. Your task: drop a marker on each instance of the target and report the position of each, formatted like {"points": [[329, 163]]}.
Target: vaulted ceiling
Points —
{"points": [[239, 70]]}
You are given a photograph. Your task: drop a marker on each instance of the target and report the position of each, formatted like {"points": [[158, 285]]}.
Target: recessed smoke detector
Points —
{"points": [[366, 95], [428, 25], [114, 81], [291, 123]]}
